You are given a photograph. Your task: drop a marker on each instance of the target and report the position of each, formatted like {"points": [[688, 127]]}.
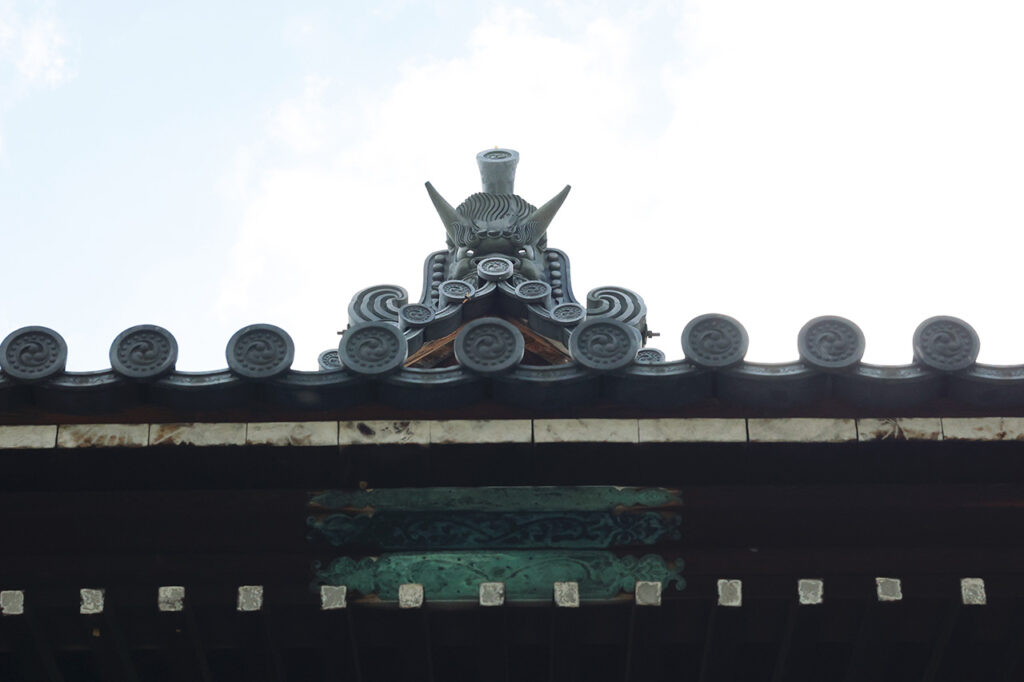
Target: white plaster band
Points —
{"points": [[494, 431]]}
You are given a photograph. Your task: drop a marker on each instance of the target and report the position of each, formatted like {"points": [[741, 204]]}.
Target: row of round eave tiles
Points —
{"points": [[145, 352], [832, 343], [487, 346]]}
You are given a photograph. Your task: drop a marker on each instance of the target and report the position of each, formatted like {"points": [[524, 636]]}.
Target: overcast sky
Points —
{"points": [[202, 168]]}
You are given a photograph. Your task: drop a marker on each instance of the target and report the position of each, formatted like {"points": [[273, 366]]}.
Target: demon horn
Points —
{"points": [[542, 217], [449, 216]]}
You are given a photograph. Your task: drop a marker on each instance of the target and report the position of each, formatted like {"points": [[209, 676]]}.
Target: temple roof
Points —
{"points": [[497, 323]]}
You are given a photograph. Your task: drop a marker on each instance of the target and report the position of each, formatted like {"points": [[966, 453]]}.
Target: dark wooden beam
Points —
{"points": [[563, 644], [353, 643], [112, 654], [427, 646], [719, 656], [794, 659], [492, 644], [782, 659], [273, 652], [41, 644], [930, 519], [865, 655], [644, 636], [195, 638], [1010, 670], [940, 643], [630, 644]]}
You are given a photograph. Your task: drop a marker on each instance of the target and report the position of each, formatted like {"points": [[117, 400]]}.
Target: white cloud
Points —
{"points": [[41, 58], [34, 43], [773, 161], [6, 30], [302, 124]]}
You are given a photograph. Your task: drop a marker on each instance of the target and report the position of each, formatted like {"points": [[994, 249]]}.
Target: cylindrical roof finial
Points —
{"points": [[498, 170]]}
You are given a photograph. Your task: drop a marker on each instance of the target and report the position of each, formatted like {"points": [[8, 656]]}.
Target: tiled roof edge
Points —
{"points": [[608, 366]]}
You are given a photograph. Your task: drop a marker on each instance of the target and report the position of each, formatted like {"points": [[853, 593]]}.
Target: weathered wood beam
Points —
{"points": [[552, 352], [539, 349], [433, 353]]}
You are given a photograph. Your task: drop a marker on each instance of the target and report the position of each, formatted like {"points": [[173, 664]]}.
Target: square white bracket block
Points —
{"points": [[889, 589], [250, 597], [12, 602], [91, 601], [492, 594], [647, 593], [333, 597], [567, 595], [810, 591], [170, 598], [730, 592], [972, 591], [410, 596]]}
